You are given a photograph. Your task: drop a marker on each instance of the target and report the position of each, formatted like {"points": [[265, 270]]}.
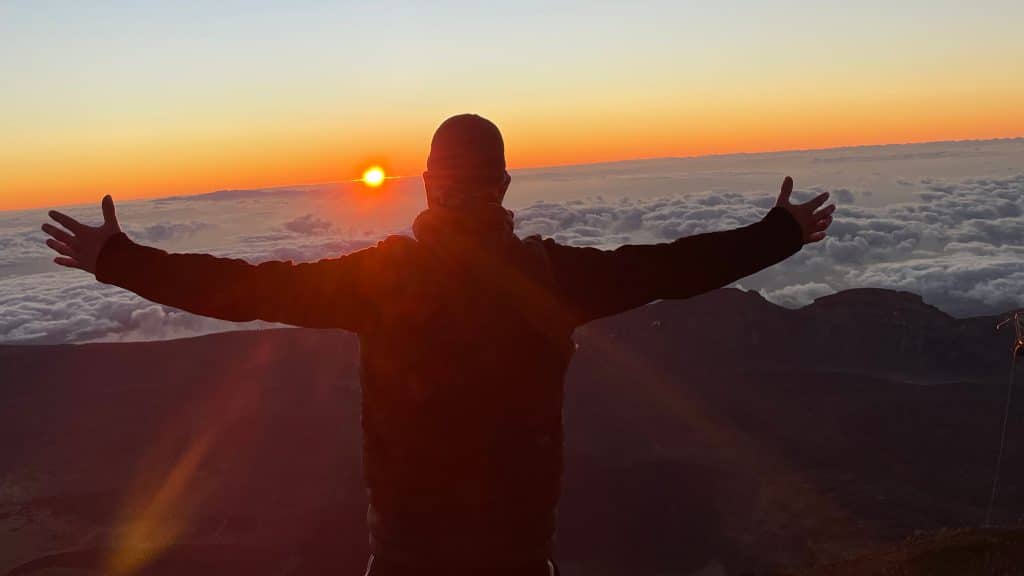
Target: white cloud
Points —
{"points": [[798, 295], [42, 303], [164, 232], [70, 306], [308, 224], [958, 239], [960, 245]]}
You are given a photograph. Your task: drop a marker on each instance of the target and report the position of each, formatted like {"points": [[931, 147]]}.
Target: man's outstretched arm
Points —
{"points": [[326, 294], [597, 283]]}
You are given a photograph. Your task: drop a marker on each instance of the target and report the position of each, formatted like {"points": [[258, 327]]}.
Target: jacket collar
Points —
{"points": [[481, 224]]}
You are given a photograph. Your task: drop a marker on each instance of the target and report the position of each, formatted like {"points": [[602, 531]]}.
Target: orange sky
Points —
{"points": [[157, 166], [138, 104]]}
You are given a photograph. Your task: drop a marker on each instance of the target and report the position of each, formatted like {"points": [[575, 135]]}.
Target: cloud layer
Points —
{"points": [[960, 244], [958, 240]]}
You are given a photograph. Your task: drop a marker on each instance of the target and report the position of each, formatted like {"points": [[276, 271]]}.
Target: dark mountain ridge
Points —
{"points": [[719, 431]]}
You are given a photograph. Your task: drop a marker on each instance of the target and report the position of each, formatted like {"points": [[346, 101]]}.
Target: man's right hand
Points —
{"points": [[79, 245]]}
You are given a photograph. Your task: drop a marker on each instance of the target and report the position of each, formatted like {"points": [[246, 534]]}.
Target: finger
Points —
{"points": [[59, 235], [67, 221], [817, 201], [823, 224], [816, 237], [826, 211], [109, 217], [786, 192], [68, 262], [60, 247]]}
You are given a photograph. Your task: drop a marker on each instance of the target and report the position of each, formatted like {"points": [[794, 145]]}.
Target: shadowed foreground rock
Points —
{"points": [[967, 552], [695, 440]]}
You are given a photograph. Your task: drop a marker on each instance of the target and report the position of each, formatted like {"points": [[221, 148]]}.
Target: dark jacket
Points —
{"points": [[466, 334]]}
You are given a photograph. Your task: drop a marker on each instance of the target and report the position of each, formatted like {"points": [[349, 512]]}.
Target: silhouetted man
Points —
{"points": [[466, 334]]}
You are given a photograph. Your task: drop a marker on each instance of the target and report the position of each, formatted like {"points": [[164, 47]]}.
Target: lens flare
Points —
{"points": [[162, 515], [374, 176]]}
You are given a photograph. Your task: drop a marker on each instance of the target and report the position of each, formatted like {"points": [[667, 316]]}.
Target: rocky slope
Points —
{"points": [[721, 433]]}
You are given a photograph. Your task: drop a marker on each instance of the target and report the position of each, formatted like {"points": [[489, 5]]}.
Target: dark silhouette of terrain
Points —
{"points": [[695, 436]]}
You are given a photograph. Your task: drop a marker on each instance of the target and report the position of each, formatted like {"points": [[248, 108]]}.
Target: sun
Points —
{"points": [[374, 176]]}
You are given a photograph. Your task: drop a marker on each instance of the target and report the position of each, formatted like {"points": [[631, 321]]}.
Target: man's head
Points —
{"points": [[466, 167]]}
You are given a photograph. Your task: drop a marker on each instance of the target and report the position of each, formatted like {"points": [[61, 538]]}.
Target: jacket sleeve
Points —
{"points": [[332, 293], [596, 283]]}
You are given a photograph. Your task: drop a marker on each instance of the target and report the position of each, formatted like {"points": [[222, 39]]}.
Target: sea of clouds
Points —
{"points": [[944, 220]]}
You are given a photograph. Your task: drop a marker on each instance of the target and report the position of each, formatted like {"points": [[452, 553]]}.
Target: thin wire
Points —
{"points": [[1002, 438], [1017, 319]]}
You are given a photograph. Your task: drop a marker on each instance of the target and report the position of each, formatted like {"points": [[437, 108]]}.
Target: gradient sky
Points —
{"points": [[144, 99]]}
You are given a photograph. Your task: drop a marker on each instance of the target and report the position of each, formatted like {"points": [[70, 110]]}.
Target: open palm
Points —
{"points": [[77, 244], [813, 219]]}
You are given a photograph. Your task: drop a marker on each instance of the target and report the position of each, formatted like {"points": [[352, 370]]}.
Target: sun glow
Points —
{"points": [[374, 176]]}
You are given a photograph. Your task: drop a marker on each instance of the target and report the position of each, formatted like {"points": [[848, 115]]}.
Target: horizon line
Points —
{"points": [[540, 167]]}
